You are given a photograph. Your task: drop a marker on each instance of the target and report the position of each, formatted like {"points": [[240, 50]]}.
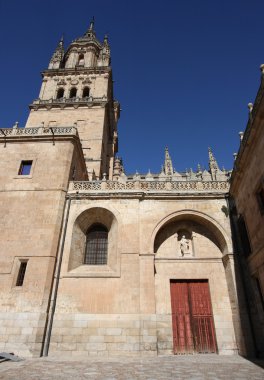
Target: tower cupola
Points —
{"points": [[88, 51]]}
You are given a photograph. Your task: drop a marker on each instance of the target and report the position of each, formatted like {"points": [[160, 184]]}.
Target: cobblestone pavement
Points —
{"points": [[159, 368]]}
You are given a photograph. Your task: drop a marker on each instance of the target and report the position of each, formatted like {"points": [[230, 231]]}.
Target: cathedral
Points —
{"points": [[95, 261]]}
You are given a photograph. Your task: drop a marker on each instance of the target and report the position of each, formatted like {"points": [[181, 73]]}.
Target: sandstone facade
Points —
{"points": [[161, 229]]}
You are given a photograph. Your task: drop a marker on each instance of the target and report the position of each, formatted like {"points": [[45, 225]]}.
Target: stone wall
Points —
{"points": [[30, 222], [126, 309], [247, 182]]}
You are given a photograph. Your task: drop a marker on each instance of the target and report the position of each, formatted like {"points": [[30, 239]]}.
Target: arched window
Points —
{"points": [[96, 245], [81, 60], [60, 93], [86, 92], [73, 92]]}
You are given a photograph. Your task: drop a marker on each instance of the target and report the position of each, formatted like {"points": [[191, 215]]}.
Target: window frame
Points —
{"points": [[98, 254], [85, 89], [20, 278], [71, 89], [32, 158], [23, 164], [60, 89], [81, 57]]}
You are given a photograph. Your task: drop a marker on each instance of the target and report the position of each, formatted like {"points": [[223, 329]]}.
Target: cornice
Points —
{"points": [[77, 70], [253, 125]]}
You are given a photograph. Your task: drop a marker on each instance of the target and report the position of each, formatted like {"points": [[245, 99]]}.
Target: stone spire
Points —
{"points": [[168, 167], [90, 32], [106, 48], [213, 166], [57, 56], [105, 52]]}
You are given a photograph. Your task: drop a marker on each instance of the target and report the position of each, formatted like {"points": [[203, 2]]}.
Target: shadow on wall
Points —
{"points": [[252, 339]]}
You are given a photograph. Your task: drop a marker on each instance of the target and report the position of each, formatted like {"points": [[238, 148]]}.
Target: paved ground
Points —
{"points": [[159, 368]]}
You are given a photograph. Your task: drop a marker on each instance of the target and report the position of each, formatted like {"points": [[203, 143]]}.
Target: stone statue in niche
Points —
{"points": [[184, 245]]}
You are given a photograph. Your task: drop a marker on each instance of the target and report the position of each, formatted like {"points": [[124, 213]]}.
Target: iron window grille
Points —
{"points": [[96, 245]]}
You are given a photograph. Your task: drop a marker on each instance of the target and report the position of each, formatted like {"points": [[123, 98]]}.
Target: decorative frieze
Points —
{"points": [[64, 102], [39, 131], [153, 186]]}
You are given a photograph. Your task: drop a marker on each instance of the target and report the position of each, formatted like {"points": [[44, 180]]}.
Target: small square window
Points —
{"points": [[25, 167], [21, 273]]}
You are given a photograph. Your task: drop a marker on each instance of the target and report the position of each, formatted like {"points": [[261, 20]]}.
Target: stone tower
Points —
{"points": [[107, 267], [77, 89]]}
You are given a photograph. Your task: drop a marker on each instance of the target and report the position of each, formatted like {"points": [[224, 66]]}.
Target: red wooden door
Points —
{"points": [[192, 319]]}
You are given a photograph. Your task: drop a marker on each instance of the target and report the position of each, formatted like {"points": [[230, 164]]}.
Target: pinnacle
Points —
{"points": [[91, 27]]}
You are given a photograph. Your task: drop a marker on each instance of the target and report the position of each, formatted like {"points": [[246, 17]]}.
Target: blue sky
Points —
{"points": [[184, 71]]}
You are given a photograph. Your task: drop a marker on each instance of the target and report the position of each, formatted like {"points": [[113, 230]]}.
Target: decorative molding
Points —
{"points": [[153, 186], [66, 102], [36, 131]]}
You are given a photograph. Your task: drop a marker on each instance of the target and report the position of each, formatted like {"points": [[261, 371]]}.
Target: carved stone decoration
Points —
{"points": [[86, 81], [185, 243], [61, 82], [74, 82]]}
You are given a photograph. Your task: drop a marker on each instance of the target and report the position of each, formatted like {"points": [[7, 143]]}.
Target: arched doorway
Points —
{"points": [[191, 288]]}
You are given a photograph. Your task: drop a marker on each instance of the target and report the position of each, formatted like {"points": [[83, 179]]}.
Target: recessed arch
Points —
{"points": [[81, 60], [86, 92], [83, 223], [73, 92], [60, 93], [201, 218]]}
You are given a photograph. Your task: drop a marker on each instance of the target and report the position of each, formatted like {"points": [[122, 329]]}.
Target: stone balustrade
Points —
{"points": [[52, 131], [150, 186], [68, 101]]}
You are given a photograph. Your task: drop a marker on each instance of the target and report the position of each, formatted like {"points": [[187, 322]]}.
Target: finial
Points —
{"points": [[213, 165], [235, 156], [211, 156], [250, 107], [168, 167], [241, 135], [91, 24], [199, 168], [106, 38], [262, 68]]}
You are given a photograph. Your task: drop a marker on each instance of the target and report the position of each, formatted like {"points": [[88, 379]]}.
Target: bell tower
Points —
{"points": [[77, 90]]}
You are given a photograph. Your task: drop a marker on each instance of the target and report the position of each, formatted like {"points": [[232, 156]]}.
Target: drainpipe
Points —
{"points": [[56, 278]]}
